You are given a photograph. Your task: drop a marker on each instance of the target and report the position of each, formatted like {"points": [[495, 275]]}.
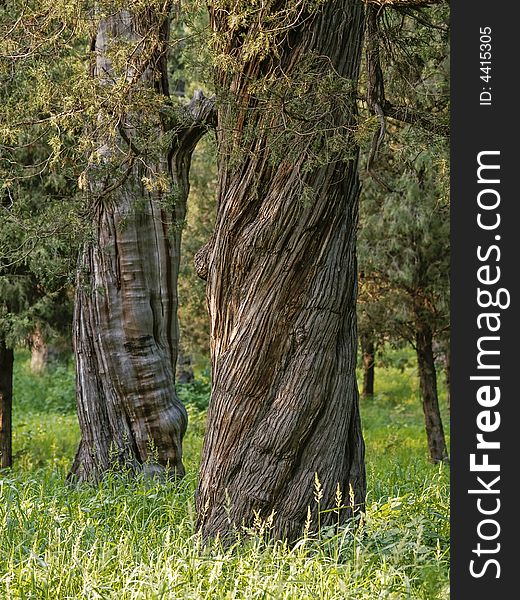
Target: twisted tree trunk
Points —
{"points": [[281, 270], [6, 405], [126, 333]]}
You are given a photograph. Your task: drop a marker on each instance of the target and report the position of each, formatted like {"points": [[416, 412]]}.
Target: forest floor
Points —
{"points": [[135, 539]]}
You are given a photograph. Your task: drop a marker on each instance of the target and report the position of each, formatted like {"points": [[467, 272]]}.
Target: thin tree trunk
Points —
{"points": [[369, 352], [126, 333], [39, 352], [6, 405], [282, 300], [428, 381], [184, 368]]}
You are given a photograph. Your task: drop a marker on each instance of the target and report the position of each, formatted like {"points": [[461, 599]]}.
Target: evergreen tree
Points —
{"points": [[404, 234], [404, 252]]}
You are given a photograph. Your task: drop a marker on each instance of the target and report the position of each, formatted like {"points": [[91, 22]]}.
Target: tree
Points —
{"points": [[130, 158], [33, 284], [281, 268], [39, 229], [404, 234], [409, 266], [126, 332]]}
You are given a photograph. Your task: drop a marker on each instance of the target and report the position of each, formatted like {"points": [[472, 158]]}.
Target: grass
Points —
{"points": [[136, 539]]}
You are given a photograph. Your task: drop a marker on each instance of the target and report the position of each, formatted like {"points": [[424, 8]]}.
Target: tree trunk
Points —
{"points": [[368, 351], [126, 333], [184, 368], [39, 352], [6, 405], [281, 289], [428, 380]]}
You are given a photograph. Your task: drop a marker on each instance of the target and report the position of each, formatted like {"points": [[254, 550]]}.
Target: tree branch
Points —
{"points": [[202, 110], [406, 115], [196, 118]]}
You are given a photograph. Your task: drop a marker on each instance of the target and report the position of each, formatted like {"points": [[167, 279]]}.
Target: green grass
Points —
{"points": [[136, 539]]}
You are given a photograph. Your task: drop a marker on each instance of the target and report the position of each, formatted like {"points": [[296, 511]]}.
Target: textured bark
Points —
{"points": [[126, 333], [368, 351], [6, 405], [430, 399], [282, 301]]}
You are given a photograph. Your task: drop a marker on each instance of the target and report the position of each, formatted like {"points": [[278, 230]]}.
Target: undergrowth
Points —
{"points": [[130, 539]]}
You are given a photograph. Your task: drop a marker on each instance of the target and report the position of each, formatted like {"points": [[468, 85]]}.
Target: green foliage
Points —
{"points": [[44, 441], [52, 392], [403, 241], [53, 114], [391, 356], [260, 25], [275, 93], [196, 393], [415, 61], [129, 539], [314, 106], [40, 215]]}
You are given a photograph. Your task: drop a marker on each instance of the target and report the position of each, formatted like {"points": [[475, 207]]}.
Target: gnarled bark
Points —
{"points": [[282, 301], [126, 333]]}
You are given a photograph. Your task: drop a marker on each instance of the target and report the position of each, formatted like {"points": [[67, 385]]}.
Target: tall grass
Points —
{"points": [[129, 539]]}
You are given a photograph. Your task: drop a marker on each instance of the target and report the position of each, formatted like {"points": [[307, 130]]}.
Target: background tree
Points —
{"points": [[368, 350], [6, 403], [371, 334], [410, 265], [126, 330], [37, 255], [130, 157], [404, 237]]}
